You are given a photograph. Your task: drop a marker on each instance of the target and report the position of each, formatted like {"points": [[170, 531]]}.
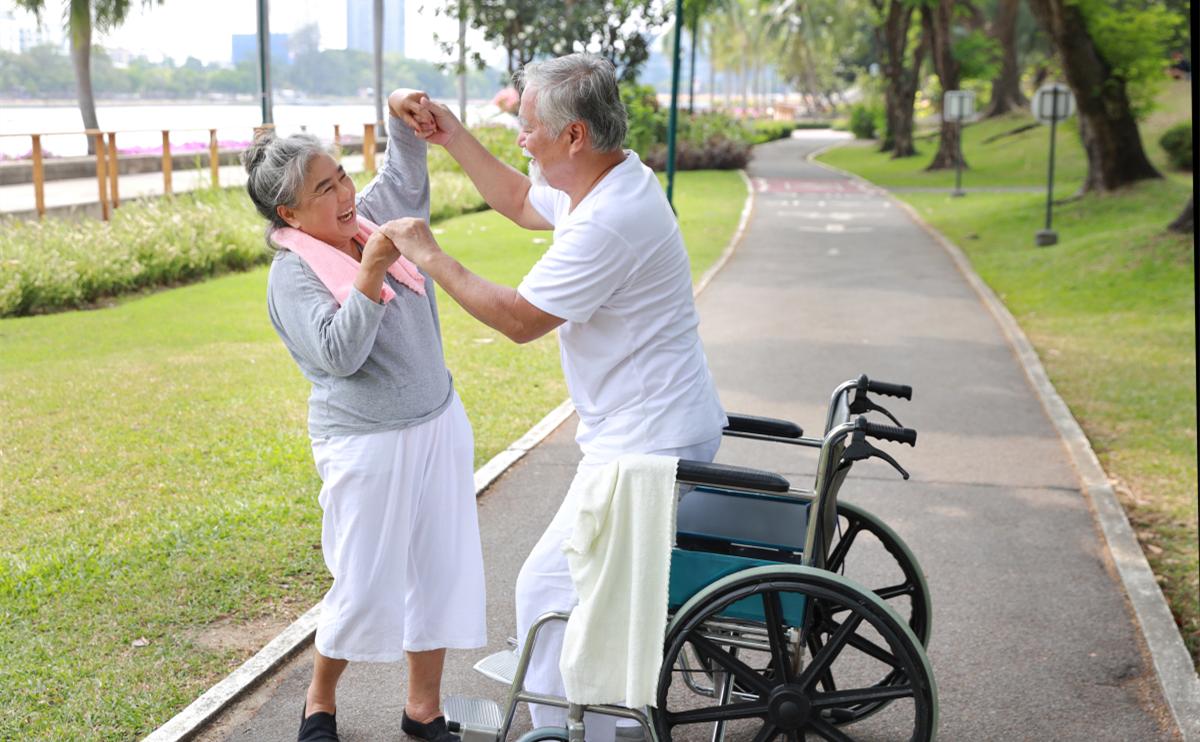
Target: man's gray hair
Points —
{"points": [[276, 166], [578, 87]]}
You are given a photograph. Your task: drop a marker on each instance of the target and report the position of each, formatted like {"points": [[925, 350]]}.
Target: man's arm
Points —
{"points": [[498, 307], [506, 190]]}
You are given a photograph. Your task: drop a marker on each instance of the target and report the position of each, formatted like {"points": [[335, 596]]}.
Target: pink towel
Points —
{"points": [[337, 270]]}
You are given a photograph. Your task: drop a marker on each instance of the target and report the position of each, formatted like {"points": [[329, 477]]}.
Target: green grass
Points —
{"points": [[1111, 312], [1018, 160], [158, 480]]}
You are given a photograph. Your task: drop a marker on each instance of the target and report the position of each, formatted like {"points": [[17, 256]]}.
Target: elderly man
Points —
{"points": [[616, 283]]}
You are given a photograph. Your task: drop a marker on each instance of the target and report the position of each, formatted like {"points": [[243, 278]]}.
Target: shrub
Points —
{"points": [[647, 123], [862, 121], [769, 131], [1177, 141]]}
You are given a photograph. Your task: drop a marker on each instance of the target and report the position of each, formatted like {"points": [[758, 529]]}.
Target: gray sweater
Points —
{"points": [[372, 366]]}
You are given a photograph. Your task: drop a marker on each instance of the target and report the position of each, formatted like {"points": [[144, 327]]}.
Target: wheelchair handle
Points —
{"points": [[903, 391], [888, 432]]}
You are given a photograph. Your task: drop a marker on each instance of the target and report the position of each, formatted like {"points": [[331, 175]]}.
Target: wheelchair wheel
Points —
{"points": [[544, 734], [880, 558], [807, 667]]}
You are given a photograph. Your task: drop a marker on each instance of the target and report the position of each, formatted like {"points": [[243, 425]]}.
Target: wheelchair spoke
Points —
{"points": [[825, 680], [743, 672], [828, 731], [838, 555], [895, 591], [866, 646], [828, 653], [773, 610], [768, 732], [842, 698], [726, 712]]}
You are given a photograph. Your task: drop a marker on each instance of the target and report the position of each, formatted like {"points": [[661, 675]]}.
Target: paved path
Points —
{"points": [[1032, 638]]}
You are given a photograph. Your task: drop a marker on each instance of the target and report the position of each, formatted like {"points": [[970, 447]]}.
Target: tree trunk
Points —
{"points": [[936, 20], [1106, 122], [1185, 223], [1006, 88], [81, 60], [901, 80]]}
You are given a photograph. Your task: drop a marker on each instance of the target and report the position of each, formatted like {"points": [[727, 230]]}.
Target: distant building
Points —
{"points": [[245, 46], [19, 32], [360, 22]]}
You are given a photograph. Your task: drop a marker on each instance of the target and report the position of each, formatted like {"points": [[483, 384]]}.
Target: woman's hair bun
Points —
{"points": [[257, 150]]}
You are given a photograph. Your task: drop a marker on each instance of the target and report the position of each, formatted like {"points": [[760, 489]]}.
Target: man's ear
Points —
{"points": [[288, 215], [577, 137]]}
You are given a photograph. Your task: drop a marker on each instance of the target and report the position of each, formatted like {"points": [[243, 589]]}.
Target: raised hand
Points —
{"points": [[379, 251], [446, 124], [406, 105]]}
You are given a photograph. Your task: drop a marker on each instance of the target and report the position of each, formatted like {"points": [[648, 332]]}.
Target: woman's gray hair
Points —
{"points": [[578, 87], [276, 166]]}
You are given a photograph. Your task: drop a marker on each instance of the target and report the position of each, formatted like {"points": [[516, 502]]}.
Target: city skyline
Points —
{"points": [[203, 28]]}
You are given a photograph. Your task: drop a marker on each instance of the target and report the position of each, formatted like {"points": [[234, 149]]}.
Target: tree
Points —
{"points": [[1112, 58], [1006, 86], [902, 74], [937, 18], [1185, 223], [81, 16]]}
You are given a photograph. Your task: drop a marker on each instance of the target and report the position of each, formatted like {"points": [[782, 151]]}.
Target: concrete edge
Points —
{"points": [[1172, 663], [187, 723]]}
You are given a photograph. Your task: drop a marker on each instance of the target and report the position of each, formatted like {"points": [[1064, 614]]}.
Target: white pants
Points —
{"points": [[544, 584], [400, 535]]}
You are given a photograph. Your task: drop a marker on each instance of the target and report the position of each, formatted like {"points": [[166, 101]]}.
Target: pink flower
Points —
{"points": [[507, 100]]}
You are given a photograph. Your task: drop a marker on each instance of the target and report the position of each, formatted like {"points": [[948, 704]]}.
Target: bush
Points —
{"points": [[647, 122], [707, 141], [1177, 141], [57, 264], [769, 131], [863, 121]]}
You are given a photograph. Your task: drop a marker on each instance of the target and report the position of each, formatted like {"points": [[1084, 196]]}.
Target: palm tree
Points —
{"points": [[80, 17]]}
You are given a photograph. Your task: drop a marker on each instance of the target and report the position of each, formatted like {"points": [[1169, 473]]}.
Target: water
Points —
{"points": [[142, 125]]}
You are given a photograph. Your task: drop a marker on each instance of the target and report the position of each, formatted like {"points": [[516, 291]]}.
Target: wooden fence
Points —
{"points": [[107, 170]]}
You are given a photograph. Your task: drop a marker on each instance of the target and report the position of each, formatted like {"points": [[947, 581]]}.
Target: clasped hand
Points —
{"points": [[430, 121]]}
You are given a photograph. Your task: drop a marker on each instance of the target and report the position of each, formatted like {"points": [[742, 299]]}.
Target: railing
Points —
{"points": [[107, 160]]}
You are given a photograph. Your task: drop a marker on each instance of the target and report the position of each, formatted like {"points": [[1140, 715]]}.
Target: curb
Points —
{"points": [[1172, 663], [188, 723]]}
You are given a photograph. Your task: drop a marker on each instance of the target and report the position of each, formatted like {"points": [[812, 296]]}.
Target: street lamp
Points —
{"points": [[1052, 103], [958, 106]]}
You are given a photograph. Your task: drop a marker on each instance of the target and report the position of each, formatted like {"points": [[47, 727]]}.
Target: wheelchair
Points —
{"points": [[770, 634]]}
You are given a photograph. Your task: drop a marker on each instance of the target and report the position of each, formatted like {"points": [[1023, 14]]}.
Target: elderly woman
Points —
{"points": [[390, 438]]}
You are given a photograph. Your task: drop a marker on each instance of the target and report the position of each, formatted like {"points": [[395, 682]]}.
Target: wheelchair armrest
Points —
{"points": [[722, 475], [763, 426]]}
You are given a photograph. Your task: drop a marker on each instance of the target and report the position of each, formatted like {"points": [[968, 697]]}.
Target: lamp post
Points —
{"points": [[957, 106], [1052, 103], [264, 62], [673, 117]]}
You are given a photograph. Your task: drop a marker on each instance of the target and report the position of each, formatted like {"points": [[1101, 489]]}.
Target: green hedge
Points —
{"points": [[57, 264], [1177, 141]]}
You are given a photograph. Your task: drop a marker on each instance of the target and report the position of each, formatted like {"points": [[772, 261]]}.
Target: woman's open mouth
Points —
{"points": [[347, 216]]}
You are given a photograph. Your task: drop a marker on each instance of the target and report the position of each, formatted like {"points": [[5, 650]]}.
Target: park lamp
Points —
{"points": [[1052, 103], [958, 106]]}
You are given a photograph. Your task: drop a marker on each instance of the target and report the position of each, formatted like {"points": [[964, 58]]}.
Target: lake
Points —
{"points": [[142, 125]]}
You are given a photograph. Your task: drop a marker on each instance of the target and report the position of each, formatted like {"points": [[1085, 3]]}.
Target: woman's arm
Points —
{"points": [[333, 339], [401, 187]]}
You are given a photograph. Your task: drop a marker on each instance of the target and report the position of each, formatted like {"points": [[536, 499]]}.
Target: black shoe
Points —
{"points": [[320, 727], [434, 731]]}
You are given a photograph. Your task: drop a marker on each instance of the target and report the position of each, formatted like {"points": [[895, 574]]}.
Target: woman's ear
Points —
{"points": [[288, 215]]}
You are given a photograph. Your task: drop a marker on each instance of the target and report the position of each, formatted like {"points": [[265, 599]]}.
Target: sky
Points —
{"points": [[202, 28]]}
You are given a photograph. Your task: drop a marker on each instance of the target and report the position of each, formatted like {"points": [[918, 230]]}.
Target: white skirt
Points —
{"points": [[400, 535]]}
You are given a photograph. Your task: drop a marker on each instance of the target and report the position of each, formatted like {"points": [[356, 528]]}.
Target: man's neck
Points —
{"points": [[593, 171]]}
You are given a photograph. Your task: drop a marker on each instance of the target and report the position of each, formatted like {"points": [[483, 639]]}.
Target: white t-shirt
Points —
{"points": [[618, 273]]}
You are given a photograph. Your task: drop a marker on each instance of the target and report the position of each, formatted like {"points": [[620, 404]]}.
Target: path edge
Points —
{"points": [[1172, 663], [190, 722]]}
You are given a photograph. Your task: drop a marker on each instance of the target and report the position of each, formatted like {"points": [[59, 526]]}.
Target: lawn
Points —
{"points": [[159, 491], [1111, 311]]}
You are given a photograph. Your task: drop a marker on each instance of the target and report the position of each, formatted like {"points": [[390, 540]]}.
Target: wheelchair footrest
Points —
{"points": [[501, 666], [477, 719]]}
